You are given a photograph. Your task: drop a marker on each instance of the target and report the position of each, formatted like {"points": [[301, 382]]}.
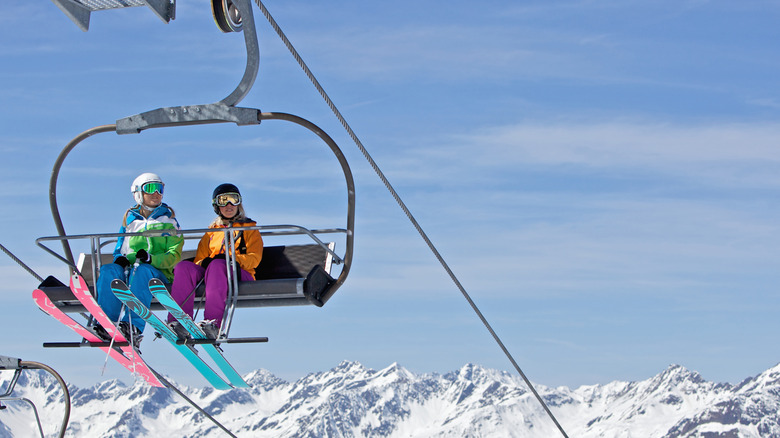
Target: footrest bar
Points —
{"points": [[84, 344], [221, 341]]}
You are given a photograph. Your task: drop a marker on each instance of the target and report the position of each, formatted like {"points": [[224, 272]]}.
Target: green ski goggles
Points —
{"points": [[153, 187]]}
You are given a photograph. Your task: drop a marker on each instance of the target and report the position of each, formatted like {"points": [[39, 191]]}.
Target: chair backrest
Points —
{"points": [[293, 261]]}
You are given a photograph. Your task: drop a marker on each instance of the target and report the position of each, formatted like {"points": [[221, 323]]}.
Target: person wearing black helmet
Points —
{"points": [[210, 265]]}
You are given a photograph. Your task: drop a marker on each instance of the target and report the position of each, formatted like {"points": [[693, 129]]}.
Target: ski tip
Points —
{"points": [[118, 283]]}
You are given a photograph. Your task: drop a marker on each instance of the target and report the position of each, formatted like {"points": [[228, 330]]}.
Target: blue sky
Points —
{"points": [[602, 176]]}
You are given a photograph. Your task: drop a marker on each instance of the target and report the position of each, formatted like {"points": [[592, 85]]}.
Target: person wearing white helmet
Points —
{"points": [[138, 259], [210, 266]]}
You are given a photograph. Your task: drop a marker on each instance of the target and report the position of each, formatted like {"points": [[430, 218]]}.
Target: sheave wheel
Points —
{"points": [[226, 15]]}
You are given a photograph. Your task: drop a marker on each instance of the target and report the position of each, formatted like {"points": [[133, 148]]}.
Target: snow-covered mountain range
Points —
{"points": [[353, 401]]}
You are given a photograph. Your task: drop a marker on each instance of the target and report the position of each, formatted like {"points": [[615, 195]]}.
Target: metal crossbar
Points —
{"points": [[79, 11], [97, 5]]}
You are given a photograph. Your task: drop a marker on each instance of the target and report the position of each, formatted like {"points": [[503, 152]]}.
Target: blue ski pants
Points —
{"points": [[139, 286]]}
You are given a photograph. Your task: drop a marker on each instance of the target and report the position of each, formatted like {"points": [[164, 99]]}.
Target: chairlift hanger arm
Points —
{"points": [[55, 211], [247, 23]]}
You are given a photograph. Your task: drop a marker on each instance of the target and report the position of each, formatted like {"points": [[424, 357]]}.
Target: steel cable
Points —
{"points": [[171, 386], [401, 204], [21, 263]]}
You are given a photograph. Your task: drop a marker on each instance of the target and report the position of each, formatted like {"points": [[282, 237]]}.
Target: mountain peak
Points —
{"points": [[678, 373], [352, 400]]}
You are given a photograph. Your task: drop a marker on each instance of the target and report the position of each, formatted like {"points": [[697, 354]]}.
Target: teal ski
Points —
{"points": [[131, 301], [160, 292]]}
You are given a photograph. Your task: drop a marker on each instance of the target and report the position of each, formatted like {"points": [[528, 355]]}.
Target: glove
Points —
{"points": [[143, 257], [219, 257], [205, 262], [122, 261]]}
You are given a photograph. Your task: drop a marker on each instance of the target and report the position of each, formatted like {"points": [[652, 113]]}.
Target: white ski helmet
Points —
{"points": [[139, 182]]}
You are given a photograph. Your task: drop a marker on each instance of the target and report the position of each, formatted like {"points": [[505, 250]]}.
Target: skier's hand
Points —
{"points": [[205, 262], [219, 256], [122, 261], [143, 257]]}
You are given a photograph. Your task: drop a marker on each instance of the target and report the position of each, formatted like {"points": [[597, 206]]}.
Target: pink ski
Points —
{"points": [[43, 301], [82, 293]]}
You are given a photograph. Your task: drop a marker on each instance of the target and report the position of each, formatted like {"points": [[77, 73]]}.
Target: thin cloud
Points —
{"points": [[733, 154], [736, 155]]}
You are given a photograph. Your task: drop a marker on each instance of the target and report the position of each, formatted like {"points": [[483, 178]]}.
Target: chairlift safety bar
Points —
{"points": [[265, 230]]}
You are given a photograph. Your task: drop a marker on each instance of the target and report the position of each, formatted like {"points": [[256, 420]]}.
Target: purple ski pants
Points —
{"points": [[186, 277]]}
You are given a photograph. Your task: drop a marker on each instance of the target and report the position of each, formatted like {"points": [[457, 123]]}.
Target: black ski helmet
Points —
{"points": [[222, 188]]}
